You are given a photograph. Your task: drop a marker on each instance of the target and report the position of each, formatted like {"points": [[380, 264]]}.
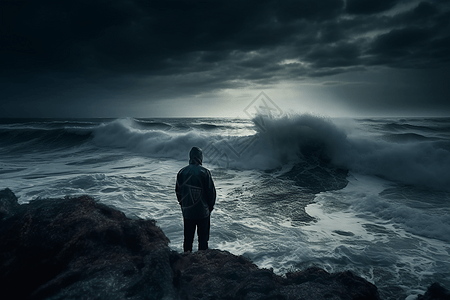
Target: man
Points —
{"points": [[197, 195]]}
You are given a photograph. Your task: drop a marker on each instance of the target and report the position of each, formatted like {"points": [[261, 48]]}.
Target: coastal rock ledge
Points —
{"points": [[77, 248]]}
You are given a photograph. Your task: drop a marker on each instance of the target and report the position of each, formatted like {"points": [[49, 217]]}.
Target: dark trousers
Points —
{"points": [[202, 226]]}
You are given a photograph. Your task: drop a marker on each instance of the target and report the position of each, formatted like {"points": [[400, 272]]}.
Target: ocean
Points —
{"points": [[367, 195]]}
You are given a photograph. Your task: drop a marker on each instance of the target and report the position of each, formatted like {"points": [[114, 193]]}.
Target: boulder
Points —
{"points": [[72, 248], [435, 292], [215, 274]]}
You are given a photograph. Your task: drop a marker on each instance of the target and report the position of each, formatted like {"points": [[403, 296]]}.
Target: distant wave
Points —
{"points": [[425, 126], [122, 133], [179, 124], [404, 127], [206, 126], [25, 139], [407, 137], [416, 157], [151, 124]]}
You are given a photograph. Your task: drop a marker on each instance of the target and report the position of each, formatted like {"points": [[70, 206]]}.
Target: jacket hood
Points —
{"points": [[196, 156]]}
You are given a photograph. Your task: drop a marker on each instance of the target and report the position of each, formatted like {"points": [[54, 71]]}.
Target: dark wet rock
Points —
{"points": [[8, 203], [73, 248], [435, 292], [317, 176], [344, 233], [77, 248], [215, 274]]}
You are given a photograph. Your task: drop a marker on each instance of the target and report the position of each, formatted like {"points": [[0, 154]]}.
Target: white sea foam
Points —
{"points": [[361, 227], [364, 196]]}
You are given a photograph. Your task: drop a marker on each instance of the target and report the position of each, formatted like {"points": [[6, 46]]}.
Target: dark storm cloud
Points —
{"points": [[369, 6], [167, 48]]}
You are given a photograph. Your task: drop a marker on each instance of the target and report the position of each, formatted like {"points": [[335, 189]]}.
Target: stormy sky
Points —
{"points": [[140, 58]]}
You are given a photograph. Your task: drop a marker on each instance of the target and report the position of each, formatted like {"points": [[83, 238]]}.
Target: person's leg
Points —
{"points": [[189, 232], [203, 233]]}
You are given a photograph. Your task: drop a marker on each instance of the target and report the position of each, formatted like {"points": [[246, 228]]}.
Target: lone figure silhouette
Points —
{"points": [[196, 195]]}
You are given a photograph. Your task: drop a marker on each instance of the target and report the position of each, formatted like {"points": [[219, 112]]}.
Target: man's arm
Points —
{"points": [[211, 192], [178, 189]]}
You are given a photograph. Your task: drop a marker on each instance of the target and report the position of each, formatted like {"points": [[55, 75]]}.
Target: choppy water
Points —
{"points": [[390, 224]]}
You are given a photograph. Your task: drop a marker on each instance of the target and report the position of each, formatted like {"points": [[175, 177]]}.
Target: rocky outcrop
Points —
{"points": [[77, 248], [218, 274], [435, 292]]}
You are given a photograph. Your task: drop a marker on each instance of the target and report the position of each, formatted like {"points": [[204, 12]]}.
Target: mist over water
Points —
{"points": [[278, 202]]}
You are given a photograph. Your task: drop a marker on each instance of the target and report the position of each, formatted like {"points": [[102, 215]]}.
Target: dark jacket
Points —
{"points": [[195, 191]]}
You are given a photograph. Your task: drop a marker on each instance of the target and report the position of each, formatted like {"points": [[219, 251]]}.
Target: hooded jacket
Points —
{"points": [[195, 188]]}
